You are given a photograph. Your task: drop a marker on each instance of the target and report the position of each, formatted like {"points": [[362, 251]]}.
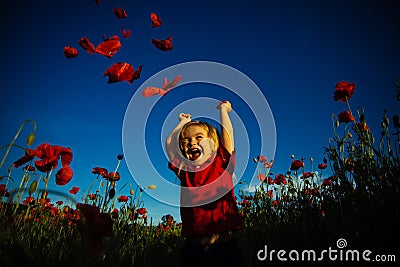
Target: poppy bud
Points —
{"points": [[120, 156], [111, 193], [33, 187], [152, 186], [362, 117], [131, 191], [30, 139], [292, 156]]}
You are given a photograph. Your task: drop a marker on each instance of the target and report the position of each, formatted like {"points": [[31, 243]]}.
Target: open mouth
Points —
{"points": [[194, 153]]}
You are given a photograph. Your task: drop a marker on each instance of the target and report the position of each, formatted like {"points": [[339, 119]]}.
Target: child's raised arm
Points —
{"points": [[172, 142], [227, 139]]}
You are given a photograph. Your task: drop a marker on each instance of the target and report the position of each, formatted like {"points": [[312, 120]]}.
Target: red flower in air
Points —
{"points": [[296, 165], [164, 45], [119, 72], [344, 91], [64, 175], [122, 198], [322, 166], [109, 47], [70, 52], [120, 13], [126, 33], [95, 226], [74, 190], [280, 179], [345, 116], [87, 45], [155, 20], [307, 175]]}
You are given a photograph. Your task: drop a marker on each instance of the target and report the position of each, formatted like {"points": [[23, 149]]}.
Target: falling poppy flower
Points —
{"points": [[70, 52], [74, 190], [345, 116], [155, 20], [296, 164], [165, 88], [164, 45], [126, 33], [120, 71], [120, 13], [344, 91], [87, 45], [109, 47], [64, 175]]}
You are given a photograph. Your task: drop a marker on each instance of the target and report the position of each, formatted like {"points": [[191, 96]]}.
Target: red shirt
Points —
{"points": [[208, 203]]}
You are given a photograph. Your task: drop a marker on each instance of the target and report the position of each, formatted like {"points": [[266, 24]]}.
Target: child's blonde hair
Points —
{"points": [[211, 130]]}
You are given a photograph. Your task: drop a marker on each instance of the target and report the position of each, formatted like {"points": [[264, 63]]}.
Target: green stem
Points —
{"points": [[15, 138]]}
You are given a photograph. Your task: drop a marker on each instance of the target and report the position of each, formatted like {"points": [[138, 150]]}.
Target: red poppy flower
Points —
{"points": [[109, 47], [155, 20], [296, 165], [96, 226], [119, 72], [280, 179], [141, 211], [3, 191], [29, 155], [92, 196], [326, 182], [164, 45], [122, 198], [322, 166], [101, 171], [344, 91], [345, 116], [87, 45], [74, 190], [70, 52], [262, 158], [64, 175], [59, 202], [120, 13], [114, 176], [126, 33], [270, 194]]}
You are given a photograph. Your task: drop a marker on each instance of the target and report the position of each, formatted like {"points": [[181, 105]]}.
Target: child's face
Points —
{"points": [[197, 146]]}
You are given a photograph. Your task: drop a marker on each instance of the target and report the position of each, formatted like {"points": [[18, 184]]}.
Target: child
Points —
{"points": [[204, 162]]}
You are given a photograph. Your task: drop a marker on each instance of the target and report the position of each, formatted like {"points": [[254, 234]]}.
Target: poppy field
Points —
{"points": [[299, 208]]}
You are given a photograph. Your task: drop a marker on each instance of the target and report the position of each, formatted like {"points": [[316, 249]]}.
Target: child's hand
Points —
{"points": [[184, 117], [225, 105]]}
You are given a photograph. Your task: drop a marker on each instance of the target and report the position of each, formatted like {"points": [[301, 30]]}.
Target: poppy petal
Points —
{"points": [[109, 47]]}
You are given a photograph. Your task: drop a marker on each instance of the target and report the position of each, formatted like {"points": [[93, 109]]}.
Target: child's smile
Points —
{"points": [[196, 144]]}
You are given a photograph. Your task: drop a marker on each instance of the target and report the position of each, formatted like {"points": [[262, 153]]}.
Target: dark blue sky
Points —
{"points": [[294, 51]]}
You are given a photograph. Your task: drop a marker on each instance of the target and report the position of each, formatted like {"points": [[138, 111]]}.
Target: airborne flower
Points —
{"points": [[74, 190]]}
